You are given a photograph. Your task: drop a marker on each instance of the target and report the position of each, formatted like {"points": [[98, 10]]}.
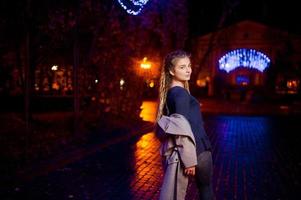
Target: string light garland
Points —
{"points": [[133, 7], [244, 58]]}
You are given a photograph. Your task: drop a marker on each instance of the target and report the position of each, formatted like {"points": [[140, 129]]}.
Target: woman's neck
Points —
{"points": [[176, 83]]}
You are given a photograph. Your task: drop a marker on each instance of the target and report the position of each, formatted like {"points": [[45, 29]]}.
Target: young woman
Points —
{"points": [[175, 98]]}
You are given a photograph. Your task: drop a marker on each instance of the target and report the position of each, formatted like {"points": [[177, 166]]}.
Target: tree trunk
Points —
{"points": [[75, 70], [27, 95]]}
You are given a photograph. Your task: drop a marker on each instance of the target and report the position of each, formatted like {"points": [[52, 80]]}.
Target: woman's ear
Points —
{"points": [[171, 72]]}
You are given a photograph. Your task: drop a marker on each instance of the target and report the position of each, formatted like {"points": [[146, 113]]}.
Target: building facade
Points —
{"points": [[239, 58]]}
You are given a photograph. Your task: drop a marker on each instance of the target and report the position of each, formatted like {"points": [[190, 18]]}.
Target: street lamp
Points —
{"points": [[145, 64]]}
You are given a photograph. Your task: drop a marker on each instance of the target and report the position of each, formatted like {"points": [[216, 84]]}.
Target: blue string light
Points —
{"points": [[133, 7], [244, 58]]}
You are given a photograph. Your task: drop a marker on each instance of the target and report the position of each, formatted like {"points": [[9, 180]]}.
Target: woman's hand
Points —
{"points": [[190, 171]]}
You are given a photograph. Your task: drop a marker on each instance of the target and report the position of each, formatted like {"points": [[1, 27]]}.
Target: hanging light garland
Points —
{"points": [[133, 7], [244, 58]]}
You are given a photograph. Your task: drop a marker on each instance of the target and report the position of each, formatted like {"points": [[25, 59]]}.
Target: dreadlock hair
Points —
{"points": [[166, 78]]}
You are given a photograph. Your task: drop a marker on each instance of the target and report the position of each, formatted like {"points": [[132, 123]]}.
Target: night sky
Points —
{"points": [[206, 16]]}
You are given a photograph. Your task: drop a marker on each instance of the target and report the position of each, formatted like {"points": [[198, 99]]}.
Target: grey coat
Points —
{"points": [[178, 152]]}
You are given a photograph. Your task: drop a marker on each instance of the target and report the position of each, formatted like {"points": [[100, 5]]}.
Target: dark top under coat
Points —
{"points": [[180, 101]]}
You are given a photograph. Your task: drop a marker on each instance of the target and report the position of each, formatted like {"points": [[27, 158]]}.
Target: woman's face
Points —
{"points": [[182, 69]]}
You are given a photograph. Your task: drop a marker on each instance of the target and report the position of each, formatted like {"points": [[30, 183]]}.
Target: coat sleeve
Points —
{"points": [[186, 150]]}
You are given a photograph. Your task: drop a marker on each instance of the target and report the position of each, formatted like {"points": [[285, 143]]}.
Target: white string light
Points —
{"points": [[244, 58], [139, 2], [135, 8]]}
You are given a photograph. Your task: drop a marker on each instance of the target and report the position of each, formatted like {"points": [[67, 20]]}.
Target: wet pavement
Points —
{"points": [[255, 157]]}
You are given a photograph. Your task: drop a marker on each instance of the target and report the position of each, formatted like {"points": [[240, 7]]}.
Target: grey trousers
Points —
{"points": [[204, 172]]}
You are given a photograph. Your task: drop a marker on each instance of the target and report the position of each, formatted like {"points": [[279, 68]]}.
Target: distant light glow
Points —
{"points": [[244, 58], [54, 68], [121, 82], [133, 7], [152, 84]]}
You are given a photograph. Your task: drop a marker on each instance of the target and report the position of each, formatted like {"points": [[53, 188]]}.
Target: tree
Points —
{"points": [[110, 43]]}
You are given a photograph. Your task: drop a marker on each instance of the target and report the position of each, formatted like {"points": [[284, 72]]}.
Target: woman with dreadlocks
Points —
{"points": [[185, 147]]}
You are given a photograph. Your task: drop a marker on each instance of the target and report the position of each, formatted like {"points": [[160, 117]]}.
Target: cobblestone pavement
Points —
{"points": [[254, 158]]}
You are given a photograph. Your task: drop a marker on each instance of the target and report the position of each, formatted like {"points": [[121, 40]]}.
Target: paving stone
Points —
{"points": [[254, 157]]}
